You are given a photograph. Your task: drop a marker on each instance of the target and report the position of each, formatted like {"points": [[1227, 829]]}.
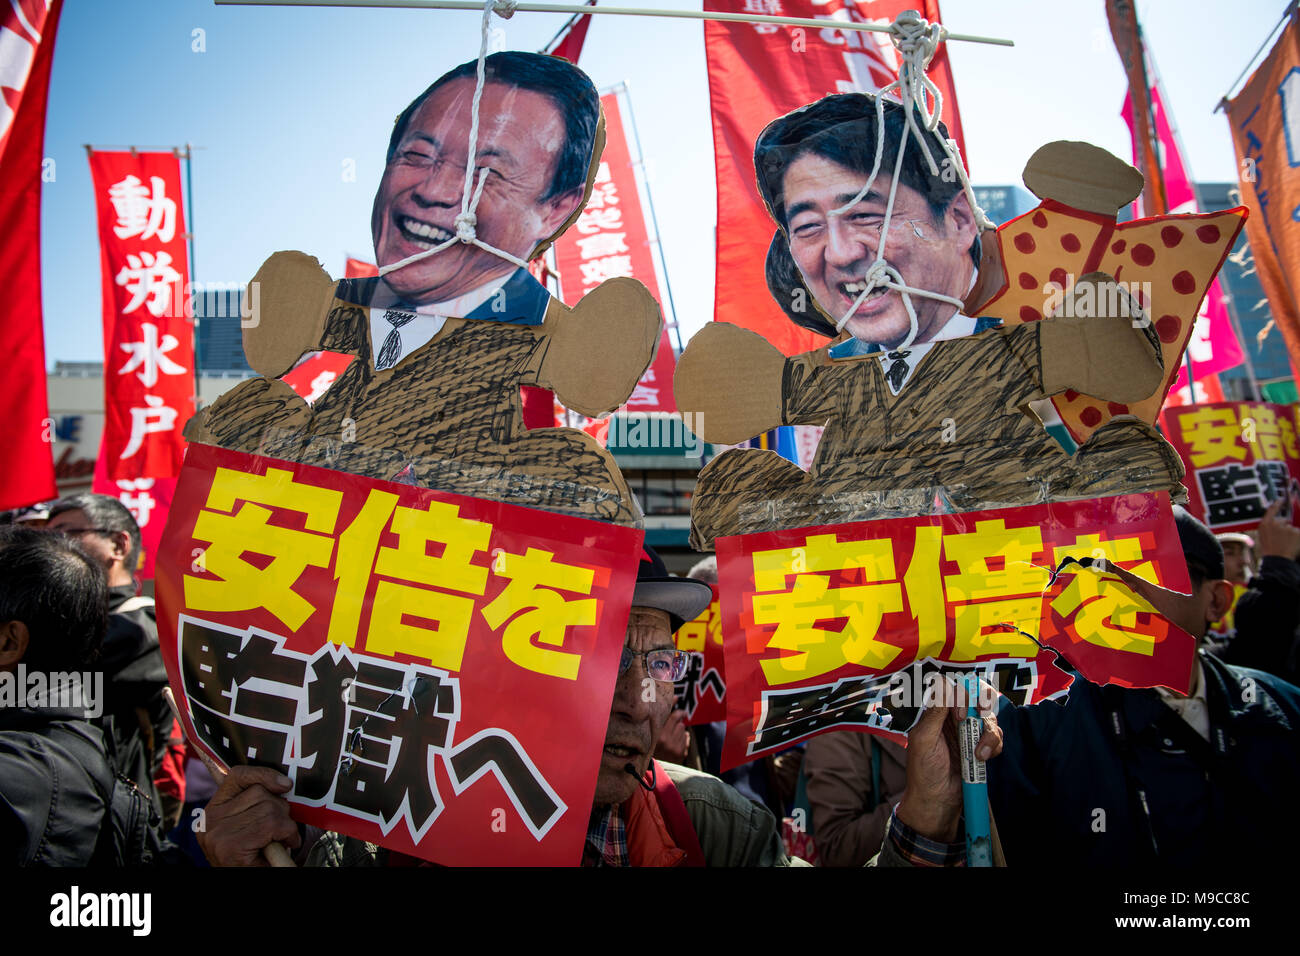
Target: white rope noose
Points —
{"points": [[466, 221], [916, 40]]}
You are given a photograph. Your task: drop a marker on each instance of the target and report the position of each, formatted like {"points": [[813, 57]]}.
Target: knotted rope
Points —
{"points": [[917, 40], [466, 221]]}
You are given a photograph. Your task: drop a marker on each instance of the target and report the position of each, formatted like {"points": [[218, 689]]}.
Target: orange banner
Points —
{"points": [[1265, 122]]}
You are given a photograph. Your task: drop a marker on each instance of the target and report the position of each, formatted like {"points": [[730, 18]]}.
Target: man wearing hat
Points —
{"points": [[1123, 777], [644, 812]]}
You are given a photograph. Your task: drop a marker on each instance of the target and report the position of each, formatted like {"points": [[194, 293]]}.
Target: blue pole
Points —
{"points": [[974, 782]]}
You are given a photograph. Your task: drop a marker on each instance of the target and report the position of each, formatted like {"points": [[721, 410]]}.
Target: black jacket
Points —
{"points": [[1116, 778], [55, 784], [137, 721]]}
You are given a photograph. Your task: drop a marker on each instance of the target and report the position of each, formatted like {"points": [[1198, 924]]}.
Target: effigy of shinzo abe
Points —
{"points": [[940, 410]]}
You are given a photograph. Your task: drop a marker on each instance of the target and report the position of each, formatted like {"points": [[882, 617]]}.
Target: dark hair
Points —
{"points": [[841, 128], [1197, 572], [58, 591], [568, 88], [107, 513]]}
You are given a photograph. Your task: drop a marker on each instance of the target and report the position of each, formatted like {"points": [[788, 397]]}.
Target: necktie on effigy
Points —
{"points": [[391, 350]]}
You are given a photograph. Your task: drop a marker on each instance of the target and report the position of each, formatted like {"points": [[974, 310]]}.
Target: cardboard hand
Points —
{"points": [[730, 378], [619, 312], [293, 294], [1166, 263]]}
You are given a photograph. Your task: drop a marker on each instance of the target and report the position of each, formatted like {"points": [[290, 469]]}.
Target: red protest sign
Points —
{"points": [[1239, 457], [702, 692], [1089, 614], [432, 671], [850, 627]]}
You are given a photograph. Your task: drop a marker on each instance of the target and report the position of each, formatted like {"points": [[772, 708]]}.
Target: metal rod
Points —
{"points": [[613, 11], [189, 235], [91, 148], [654, 221], [1290, 7], [564, 31]]}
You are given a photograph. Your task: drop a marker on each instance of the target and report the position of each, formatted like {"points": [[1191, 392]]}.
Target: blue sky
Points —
{"points": [[282, 99]]}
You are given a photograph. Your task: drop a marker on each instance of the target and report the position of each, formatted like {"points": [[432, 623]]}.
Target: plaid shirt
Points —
{"points": [[606, 839], [922, 851]]}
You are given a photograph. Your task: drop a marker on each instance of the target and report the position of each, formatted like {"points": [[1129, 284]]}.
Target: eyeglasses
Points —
{"points": [[78, 532], [663, 663]]}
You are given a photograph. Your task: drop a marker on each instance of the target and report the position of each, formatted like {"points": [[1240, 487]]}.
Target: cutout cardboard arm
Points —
{"points": [[1108, 349], [730, 379], [1082, 176], [293, 295], [621, 312]]}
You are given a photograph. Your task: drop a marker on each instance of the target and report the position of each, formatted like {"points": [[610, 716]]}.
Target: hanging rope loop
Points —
{"points": [[467, 222]]}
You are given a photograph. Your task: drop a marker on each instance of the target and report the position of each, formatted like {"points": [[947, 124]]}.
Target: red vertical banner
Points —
{"points": [[27, 29], [759, 71], [148, 336], [610, 239]]}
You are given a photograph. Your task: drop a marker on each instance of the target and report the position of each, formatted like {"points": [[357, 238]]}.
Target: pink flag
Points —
{"points": [[1213, 347]]}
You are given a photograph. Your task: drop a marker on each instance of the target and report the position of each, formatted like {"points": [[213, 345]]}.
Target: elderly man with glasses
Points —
{"points": [[645, 812], [139, 724]]}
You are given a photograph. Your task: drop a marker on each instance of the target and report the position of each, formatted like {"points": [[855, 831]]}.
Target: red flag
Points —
{"points": [[359, 269], [567, 44], [148, 332], [315, 373], [27, 31], [610, 239], [759, 71]]}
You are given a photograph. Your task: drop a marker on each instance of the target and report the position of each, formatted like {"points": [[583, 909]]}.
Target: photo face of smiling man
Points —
{"points": [[536, 157], [811, 165], [833, 252]]}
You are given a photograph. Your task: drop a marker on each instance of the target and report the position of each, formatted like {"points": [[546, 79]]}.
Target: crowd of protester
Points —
{"points": [[1113, 776]]}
